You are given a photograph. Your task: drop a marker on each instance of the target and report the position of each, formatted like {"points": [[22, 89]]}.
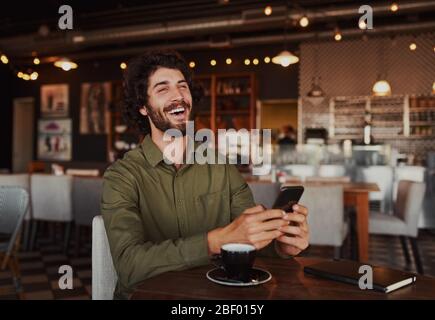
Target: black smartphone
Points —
{"points": [[288, 197]]}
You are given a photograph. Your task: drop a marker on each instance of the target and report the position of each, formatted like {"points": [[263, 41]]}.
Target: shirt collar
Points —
{"points": [[152, 153]]}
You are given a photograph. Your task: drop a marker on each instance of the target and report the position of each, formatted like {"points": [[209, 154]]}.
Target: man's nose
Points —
{"points": [[176, 94]]}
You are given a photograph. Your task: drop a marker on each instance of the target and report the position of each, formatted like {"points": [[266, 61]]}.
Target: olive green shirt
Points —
{"points": [[157, 217]]}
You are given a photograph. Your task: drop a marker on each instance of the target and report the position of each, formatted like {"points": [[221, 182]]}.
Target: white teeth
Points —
{"points": [[176, 110]]}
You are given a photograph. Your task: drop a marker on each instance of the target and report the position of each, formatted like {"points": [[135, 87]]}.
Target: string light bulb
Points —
{"points": [[123, 65], [394, 7], [213, 62], [268, 10], [266, 59], [34, 75], [4, 59], [192, 64], [36, 61], [255, 61], [228, 61], [247, 62], [304, 22], [413, 46]]}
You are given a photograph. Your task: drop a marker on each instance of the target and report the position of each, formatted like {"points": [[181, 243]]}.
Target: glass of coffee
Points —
{"points": [[237, 260]]}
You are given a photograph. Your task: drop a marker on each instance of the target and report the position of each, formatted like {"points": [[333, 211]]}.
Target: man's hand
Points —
{"points": [[296, 233], [255, 226]]}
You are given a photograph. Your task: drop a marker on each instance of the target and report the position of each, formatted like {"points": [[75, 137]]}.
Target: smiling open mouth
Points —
{"points": [[177, 111]]}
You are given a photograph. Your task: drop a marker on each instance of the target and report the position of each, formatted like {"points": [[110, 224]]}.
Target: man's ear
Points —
{"points": [[143, 111]]}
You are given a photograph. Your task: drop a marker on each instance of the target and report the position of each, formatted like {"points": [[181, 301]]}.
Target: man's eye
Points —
{"points": [[183, 86], [162, 90]]}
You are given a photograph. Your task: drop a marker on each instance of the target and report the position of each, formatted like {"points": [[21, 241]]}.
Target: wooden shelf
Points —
{"points": [[422, 109], [422, 123]]}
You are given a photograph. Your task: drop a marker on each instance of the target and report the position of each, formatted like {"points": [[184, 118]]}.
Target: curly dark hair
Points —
{"points": [[136, 83]]}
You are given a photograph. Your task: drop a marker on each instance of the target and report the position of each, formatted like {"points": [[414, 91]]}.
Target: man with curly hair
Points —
{"points": [[163, 217]]}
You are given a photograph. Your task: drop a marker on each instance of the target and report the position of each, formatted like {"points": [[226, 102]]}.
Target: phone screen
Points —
{"points": [[288, 197]]}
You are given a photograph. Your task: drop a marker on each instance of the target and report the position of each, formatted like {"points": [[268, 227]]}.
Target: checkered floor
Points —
{"points": [[40, 268]]}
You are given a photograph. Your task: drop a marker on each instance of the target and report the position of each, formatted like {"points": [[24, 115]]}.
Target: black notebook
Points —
{"points": [[384, 279]]}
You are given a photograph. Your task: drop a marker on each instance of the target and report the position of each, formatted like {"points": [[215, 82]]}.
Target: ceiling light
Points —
{"points": [[381, 88], [65, 64], [285, 58]]}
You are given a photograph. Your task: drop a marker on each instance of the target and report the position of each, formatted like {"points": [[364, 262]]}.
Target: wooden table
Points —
{"points": [[357, 196], [288, 282]]}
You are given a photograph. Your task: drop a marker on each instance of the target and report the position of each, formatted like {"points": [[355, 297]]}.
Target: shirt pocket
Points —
{"points": [[214, 209]]}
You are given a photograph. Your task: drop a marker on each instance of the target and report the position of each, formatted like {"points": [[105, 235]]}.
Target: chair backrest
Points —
{"points": [[411, 173], [383, 177], [104, 276], [14, 202], [86, 194], [325, 214], [332, 171], [265, 193], [409, 202], [51, 197], [18, 180]]}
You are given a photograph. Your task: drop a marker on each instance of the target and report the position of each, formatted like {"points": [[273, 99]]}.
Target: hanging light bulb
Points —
{"points": [[65, 64], [413, 46], [381, 88], [36, 61], [266, 59], [213, 62], [304, 22], [255, 61], [268, 10], [192, 64], [337, 34], [247, 62], [26, 77], [228, 61], [123, 65], [20, 74], [285, 58], [316, 91]]}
